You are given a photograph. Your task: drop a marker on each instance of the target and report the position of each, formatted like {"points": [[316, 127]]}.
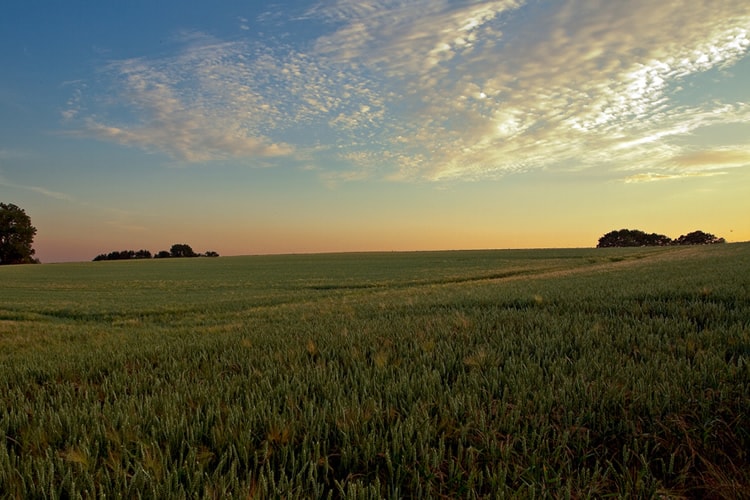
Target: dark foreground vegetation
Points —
{"points": [[565, 373]]}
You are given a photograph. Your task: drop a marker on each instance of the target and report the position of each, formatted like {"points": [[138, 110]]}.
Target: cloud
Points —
{"points": [[660, 176], [123, 220], [194, 107], [409, 40], [438, 89], [38, 189], [701, 163], [722, 157], [500, 87], [221, 100], [74, 105], [13, 154]]}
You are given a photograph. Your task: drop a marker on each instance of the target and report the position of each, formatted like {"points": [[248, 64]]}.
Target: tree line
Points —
{"points": [[177, 250], [17, 236], [638, 238]]}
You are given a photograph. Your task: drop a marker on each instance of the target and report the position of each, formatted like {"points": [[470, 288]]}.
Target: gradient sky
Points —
{"points": [[250, 127]]}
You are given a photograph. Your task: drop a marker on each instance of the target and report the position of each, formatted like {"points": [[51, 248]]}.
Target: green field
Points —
{"points": [[536, 373]]}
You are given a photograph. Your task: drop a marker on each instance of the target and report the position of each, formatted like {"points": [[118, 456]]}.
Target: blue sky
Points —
{"points": [[372, 125]]}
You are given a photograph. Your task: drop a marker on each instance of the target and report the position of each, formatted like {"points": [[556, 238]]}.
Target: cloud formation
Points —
{"points": [[442, 90], [723, 157]]}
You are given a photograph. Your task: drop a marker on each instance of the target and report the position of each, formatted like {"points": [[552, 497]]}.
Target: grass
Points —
{"points": [[541, 373]]}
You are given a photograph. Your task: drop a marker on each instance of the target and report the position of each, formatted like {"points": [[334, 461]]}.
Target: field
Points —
{"points": [[537, 373]]}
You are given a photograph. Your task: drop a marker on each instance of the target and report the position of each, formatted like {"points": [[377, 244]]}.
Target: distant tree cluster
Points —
{"points": [[124, 255], [637, 238], [178, 250], [698, 238]]}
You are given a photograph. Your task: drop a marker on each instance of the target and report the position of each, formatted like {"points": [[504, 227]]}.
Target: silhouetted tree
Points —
{"points": [[182, 250], [632, 238], [636, 238], [143, 254], [124, 255], [698, 238], [16, 236], [178, 250], [211, 253]]}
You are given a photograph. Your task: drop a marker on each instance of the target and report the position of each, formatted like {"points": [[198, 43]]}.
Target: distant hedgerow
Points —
{"points": [[177, 250]]}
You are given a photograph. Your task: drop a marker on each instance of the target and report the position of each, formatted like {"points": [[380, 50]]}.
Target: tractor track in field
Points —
{"points": [[603, 265]]}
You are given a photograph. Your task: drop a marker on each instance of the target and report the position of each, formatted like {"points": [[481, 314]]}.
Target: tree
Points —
{"points": [[636, 238], [182, 250], [124, 255], [177, 250], [698, 238], [632, 238], [16, 236]]}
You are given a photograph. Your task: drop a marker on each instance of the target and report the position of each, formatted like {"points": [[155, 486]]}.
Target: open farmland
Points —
{"points": [[576, 372]]}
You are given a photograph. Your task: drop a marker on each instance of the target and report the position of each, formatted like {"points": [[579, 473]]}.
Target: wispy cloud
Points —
{"points": [[38, 189], [661, 176], [194, 107], [124, 220], [74, 106], [441, 89], [586, 83], [734, 157], [698, 163], [219, 100]]}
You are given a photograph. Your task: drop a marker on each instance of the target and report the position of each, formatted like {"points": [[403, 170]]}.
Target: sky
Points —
{"points": [[247, 127]]}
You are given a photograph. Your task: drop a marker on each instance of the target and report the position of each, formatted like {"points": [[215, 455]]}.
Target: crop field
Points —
{"points": [[470, 374]]}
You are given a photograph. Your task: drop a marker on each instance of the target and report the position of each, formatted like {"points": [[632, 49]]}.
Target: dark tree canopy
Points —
{"points": [[698, 238], [182, 250], [124, 255], [636, 238], [16, 236], [632, 238], [177, 250]]}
